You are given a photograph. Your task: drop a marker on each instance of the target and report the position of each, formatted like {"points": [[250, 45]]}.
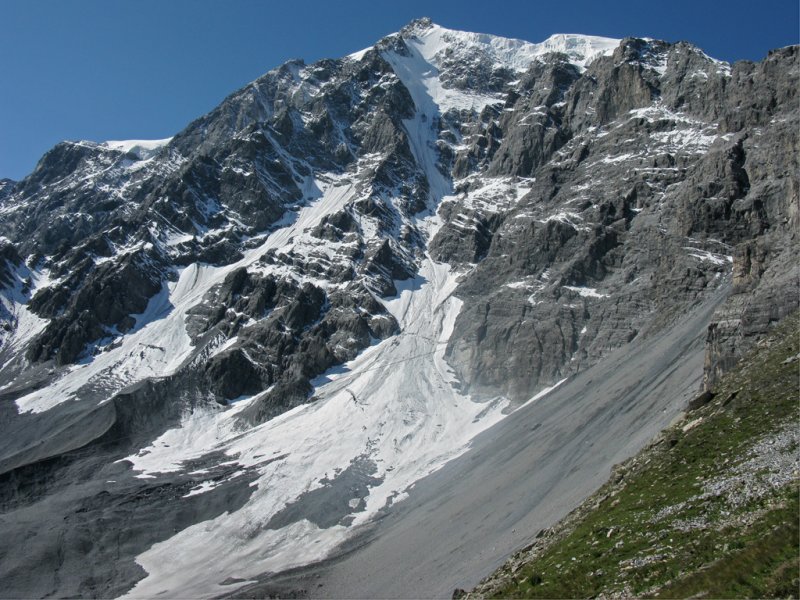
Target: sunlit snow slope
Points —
{"points": [[391, 416]]}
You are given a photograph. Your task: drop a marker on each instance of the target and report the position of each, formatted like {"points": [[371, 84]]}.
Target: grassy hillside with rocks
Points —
{"points": [[708, 510]]}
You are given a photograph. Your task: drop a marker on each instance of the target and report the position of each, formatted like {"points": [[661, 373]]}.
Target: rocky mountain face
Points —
{"points": [[326, 287]]}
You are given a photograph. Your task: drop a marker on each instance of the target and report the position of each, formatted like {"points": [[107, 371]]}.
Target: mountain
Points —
{"points": [[245, 348]]}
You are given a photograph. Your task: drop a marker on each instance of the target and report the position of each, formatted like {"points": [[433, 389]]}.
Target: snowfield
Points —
{"points": [[394, 409]]}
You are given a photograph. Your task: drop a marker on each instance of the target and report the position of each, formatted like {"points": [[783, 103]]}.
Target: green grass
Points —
{"points": [[621, 547], [766, 566]]}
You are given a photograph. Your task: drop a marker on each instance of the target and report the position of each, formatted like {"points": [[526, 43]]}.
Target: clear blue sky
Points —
{"points": [[114, 69]]}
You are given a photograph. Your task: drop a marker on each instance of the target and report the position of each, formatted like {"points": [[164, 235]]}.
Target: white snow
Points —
{"points": [[356, 56], [706, 256], [157, 348], [616, 159], [689, 135], [429, 47], [419, 71], [512, 53], [581, 49], [431, 42], [415, 73], [519, 285], [722, 67], [491, 194], [567, 217], [545, 391], [26, 325], [689, 140], [144, 148], [660, 66], [659, 111], [204, 487], [586, 292]]}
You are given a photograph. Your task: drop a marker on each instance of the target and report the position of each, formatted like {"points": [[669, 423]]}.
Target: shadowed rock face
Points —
{"points": [[584, 208]]}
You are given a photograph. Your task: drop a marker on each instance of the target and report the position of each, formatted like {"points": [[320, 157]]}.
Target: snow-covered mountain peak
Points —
{"points": [[435, 43], [581, 49], [459, 70]]}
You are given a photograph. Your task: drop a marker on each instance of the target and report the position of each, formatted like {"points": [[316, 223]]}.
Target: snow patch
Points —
{"points": [[143, 148], [585, 292], [431, 44], [706, 256], [545, 391], [357, 56]]}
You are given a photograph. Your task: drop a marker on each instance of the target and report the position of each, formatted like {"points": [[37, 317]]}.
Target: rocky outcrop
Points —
{"points": [[202, 196], [9, 261], [101, 307], [591, 204], [6, 188]]}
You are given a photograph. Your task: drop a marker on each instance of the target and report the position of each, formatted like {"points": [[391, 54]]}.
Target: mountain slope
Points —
{"points": [[249, 341], [720, 519], [523, 474]]}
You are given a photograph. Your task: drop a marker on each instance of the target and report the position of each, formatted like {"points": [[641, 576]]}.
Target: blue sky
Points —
{"points": [[114, 69]]}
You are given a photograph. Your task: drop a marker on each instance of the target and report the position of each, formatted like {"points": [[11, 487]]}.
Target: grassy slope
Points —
{"points": [[709, 509]]}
